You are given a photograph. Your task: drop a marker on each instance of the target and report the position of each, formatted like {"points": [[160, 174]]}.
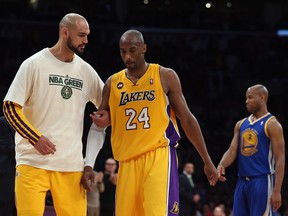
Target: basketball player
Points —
{"points": [[144, 100], [45, 105], [259, 144]]}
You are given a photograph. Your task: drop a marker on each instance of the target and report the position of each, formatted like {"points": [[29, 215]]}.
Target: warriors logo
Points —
{"points": [[249, 142]]}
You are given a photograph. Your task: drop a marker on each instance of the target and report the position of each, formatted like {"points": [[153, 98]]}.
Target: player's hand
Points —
{"points": [[87, 177], [101, 118], [275, 200], [211, 173], [221, 173], [45, 146]]}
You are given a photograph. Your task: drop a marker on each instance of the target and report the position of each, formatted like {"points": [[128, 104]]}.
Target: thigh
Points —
{"points": [[31, 185], [240, 203], [161, 193], [69, 196], [259, 198], [128, 194]]}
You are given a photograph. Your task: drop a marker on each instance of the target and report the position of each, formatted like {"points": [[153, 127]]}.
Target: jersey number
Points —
{"points": [[143, 118]]}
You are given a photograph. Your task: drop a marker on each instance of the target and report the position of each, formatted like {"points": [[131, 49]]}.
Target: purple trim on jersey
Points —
{"points": [[171, 132], [21, 127], [173, 200]]}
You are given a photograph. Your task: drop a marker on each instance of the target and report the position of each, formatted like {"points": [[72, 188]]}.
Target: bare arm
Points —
{"points": [[102, 118], [172, 87], [230, 155], [275, 133]]}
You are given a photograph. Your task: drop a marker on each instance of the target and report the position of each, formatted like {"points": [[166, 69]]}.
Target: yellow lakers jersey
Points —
{"points": [[141, 118]]}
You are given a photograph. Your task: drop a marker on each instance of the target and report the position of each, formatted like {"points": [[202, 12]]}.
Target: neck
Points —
{"points": [[258, 115], [137, 73], [61, 53]]}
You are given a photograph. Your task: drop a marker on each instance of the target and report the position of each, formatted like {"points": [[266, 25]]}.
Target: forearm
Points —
{"points": [[95, 140], [192, 130], [14, 115], [227, 159], [279, 173]]}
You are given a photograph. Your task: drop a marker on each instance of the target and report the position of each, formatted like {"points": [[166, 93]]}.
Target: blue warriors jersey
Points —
{"points": [[254, 151], [141, 117]]}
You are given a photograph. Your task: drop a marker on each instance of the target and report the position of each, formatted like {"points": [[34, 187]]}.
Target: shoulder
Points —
{"points": [[273, 122], [165, 71], [239, 124], [38, 56]]}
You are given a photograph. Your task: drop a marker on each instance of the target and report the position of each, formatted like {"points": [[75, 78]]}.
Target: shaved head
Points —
{"points": [[69, 20], [133, 36], [260, 90]]}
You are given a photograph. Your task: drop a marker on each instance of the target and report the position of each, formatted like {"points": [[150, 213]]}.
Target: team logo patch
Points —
{"points": [[175, 209], [120, 85], [249, 142], [66, 92], [67, 83]]}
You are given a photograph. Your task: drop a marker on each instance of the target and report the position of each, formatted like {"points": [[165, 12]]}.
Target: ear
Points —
{"points": [[144, 49], [65, 32]]}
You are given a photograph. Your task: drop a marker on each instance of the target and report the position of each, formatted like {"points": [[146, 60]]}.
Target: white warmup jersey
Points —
{"points": [[53, 95]]}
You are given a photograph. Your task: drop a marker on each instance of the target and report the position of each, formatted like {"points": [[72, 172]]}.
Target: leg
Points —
{"points": [[240, 204], [69, 196], [161, 193], [31, 186], [259, 198], [129, 197]]}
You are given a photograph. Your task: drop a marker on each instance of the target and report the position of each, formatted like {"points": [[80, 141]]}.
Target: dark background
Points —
{"points": [[217, 52]]}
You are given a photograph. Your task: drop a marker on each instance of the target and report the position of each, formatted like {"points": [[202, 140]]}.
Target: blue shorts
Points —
{"points": [[252, 196]]}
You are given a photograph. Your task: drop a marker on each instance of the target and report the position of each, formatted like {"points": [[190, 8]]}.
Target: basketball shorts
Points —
{"points": [[32, 184], [252, 196], [148, 185]]}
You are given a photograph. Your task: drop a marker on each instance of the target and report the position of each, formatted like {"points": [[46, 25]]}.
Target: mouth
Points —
{"points": [[128, 63]]}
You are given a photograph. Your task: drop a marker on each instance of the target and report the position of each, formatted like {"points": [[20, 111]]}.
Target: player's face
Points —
{"points": [[78, 38], [132, 53], [253, 101]]}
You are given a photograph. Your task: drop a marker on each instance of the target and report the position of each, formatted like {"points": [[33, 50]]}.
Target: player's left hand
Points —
{"points": [[275, 200], [211, 173]]}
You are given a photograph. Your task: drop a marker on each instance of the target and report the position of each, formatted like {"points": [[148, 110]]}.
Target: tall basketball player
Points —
{"points": [[144, 100]]}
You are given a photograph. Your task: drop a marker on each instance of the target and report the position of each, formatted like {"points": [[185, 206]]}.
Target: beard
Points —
{"points": [[74, 48]]}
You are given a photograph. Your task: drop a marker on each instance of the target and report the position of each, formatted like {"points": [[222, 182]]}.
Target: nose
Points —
{"points": [[85, 39], [127, 56]]}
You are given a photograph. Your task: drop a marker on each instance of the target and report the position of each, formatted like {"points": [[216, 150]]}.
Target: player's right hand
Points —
{"points": [[45, 146], [101, 118], [221, 173], [88, 176]]}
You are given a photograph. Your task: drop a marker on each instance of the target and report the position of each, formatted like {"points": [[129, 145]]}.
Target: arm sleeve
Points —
{"points": [[95, 140], [14, 115]]}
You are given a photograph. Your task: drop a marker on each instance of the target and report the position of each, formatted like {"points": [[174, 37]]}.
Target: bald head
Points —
{"points": [[70, 20], [260, 90], [133, 36]]}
